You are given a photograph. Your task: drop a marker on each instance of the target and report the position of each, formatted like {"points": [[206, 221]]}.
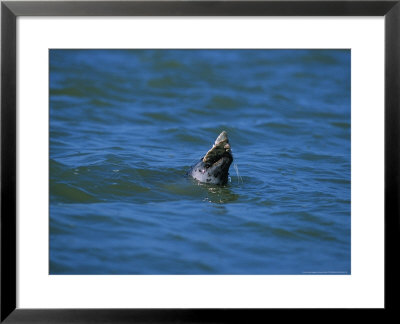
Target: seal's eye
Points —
{"points": [[207, 165]]}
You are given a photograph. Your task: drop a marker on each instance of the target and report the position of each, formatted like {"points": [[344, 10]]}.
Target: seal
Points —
{"points": [[214, 166]]}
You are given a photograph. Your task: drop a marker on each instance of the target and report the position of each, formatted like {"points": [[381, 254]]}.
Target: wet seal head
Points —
{"points": [[214, 166]]}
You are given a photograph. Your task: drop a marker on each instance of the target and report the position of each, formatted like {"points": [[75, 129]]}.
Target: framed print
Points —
{"points": [[195, 161]]}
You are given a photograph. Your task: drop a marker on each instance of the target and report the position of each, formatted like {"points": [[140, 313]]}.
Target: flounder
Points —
{"points": [[214, 166]]}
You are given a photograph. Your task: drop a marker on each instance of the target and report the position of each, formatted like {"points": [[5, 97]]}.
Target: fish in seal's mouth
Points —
{"points": [[214, 166]]}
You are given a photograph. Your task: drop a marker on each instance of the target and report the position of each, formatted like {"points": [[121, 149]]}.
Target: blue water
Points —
{"points": [[126, 125]]}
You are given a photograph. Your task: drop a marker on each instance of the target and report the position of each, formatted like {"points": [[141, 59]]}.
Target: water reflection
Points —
{"points": [[219, 195]]}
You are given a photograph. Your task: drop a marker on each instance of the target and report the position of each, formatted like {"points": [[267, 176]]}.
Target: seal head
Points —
{"points": [[214, 166]]}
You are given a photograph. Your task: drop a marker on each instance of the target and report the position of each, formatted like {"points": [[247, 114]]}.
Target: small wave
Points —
{"points": [[160, 116], [71, 194], [225, 102]]}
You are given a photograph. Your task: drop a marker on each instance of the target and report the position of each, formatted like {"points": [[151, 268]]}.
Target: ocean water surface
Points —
{"points": [[126, 125]]}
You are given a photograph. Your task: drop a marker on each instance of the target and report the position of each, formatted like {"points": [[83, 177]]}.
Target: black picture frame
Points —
{"points": [[10, 10]]}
